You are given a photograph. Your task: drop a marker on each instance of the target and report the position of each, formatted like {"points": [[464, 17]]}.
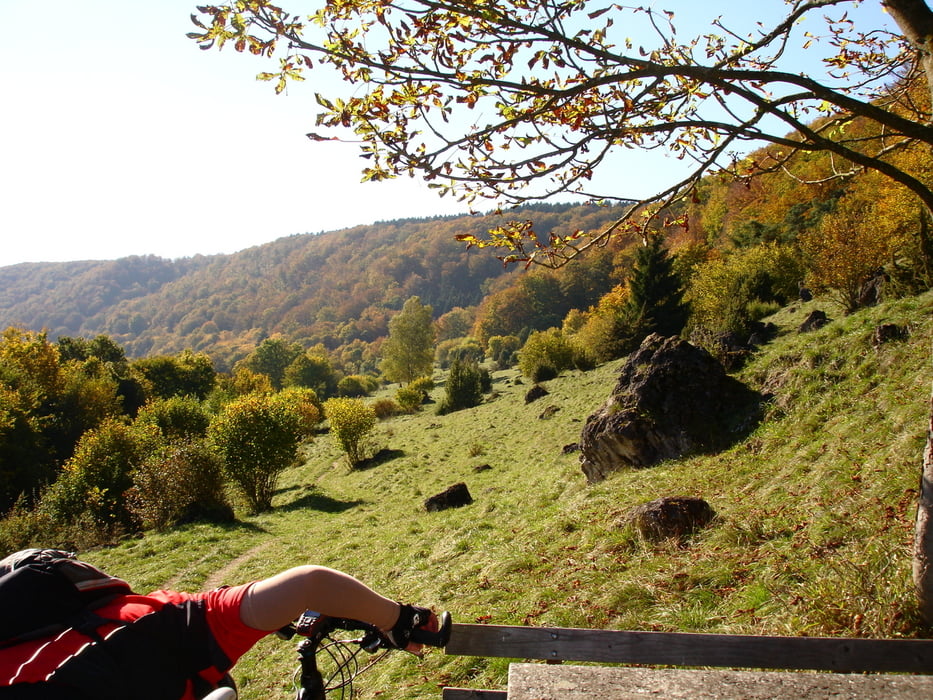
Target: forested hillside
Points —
{"points": [[333, 288]]}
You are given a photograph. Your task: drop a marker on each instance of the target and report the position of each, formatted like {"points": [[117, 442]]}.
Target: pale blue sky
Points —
{"points": [[120, 137]]}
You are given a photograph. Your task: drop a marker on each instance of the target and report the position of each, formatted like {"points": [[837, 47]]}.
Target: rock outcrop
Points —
{"points": [[672, 398]]}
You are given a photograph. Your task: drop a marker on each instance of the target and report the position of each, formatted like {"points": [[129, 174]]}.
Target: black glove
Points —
{"points": [[410, 618]]}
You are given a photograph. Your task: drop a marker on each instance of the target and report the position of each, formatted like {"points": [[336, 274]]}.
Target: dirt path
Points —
{"points": [[218, 578]]}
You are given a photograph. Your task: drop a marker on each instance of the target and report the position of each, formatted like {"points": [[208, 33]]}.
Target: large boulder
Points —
{"points": [[672, 398]]}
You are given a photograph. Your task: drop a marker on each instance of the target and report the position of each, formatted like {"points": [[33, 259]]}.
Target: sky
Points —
{"points": [[119, 136]]}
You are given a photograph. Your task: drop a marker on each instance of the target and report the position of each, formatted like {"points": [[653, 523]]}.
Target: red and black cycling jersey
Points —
{"points": [[163, 646]]}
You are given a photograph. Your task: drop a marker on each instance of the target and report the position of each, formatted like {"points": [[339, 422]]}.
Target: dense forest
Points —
{"points": [[337, 289]]}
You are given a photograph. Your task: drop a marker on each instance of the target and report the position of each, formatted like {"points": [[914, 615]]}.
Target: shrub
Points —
{"points": [[847, 249], [257, 438], [485, 380], [583, 359], [179, 375], [95, 480], [725, 293], [502, 350], [314, 371], [543, 373], [180, 483], [609, 330], [177, 417], [351, 420], [246, 381], [353, 385], [545, 351], [306, 406], [409, 399], [468, 351], [386, 408], [423, 384], [443, 350], [26, 527], [464, 388]]}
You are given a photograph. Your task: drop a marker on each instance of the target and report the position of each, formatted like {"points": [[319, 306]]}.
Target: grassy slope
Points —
{"points": [[813, 537]]}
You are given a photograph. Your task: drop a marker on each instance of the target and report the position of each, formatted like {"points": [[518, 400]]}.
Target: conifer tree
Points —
{"points": [[655, 303]]}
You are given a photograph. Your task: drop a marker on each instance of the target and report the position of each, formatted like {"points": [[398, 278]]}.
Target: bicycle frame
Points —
{"points": [[317, 630]]}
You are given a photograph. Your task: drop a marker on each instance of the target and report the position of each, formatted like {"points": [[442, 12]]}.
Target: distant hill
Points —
{"points": [[332, 288]]}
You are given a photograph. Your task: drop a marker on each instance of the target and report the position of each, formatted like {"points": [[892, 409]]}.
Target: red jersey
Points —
{"points": [[158, 629]]}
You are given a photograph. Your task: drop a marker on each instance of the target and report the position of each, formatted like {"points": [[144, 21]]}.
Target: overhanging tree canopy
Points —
{"points": [[522, 99]]}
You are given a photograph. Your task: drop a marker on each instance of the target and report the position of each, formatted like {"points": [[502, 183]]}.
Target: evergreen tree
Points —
{"points": [[408, 352], [656, 300], [464, 386]]}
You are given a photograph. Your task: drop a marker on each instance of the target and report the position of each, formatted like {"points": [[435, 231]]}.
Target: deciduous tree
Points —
{"points": [[272, 358], [185, 374], [313, 370], [553, 88], [847, 249], [408, 352]]}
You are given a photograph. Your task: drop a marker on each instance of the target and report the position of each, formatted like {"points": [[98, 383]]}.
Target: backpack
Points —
{"points": [[45, 590]]}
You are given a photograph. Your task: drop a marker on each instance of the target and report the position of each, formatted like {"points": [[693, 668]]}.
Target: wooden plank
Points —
{"points": [[470, 694], [692, 649], [543, 682]]}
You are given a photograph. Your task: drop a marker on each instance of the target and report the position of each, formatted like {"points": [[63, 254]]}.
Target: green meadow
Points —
{"points": [[815, 512]]}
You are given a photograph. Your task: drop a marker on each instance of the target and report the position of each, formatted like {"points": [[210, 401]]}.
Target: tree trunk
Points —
{"points": [[923, 539], [915, 20]]}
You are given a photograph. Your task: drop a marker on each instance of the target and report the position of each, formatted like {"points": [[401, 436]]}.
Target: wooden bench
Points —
{"points": [[841, 656]]}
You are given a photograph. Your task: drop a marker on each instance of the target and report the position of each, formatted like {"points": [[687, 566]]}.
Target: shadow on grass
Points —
{"points": [[315, 500], [225, 525], [381, 457]]}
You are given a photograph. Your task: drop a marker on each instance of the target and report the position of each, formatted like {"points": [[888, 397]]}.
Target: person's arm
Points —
{"points": [[272, 603]]}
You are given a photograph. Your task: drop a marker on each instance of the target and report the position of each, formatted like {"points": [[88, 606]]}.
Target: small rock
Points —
{"points": [[534, 393], [889, 332], [670, 517], [816, 319], [453, 497]]}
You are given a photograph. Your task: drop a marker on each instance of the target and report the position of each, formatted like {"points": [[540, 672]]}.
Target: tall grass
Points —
{"points": [[814, 521]]}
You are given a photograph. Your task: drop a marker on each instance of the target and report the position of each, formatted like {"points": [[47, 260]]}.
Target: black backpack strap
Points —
{"points": [[41, 691]]}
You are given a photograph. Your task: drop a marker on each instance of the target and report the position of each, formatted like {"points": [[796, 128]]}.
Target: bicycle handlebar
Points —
{"points": [[316, 630], [434, 639]]}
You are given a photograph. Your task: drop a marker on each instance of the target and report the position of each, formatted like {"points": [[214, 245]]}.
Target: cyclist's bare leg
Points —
{"points": [[274, 602]]}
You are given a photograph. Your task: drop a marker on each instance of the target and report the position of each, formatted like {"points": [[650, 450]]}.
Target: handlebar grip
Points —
{"points": [[419, 635]]}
